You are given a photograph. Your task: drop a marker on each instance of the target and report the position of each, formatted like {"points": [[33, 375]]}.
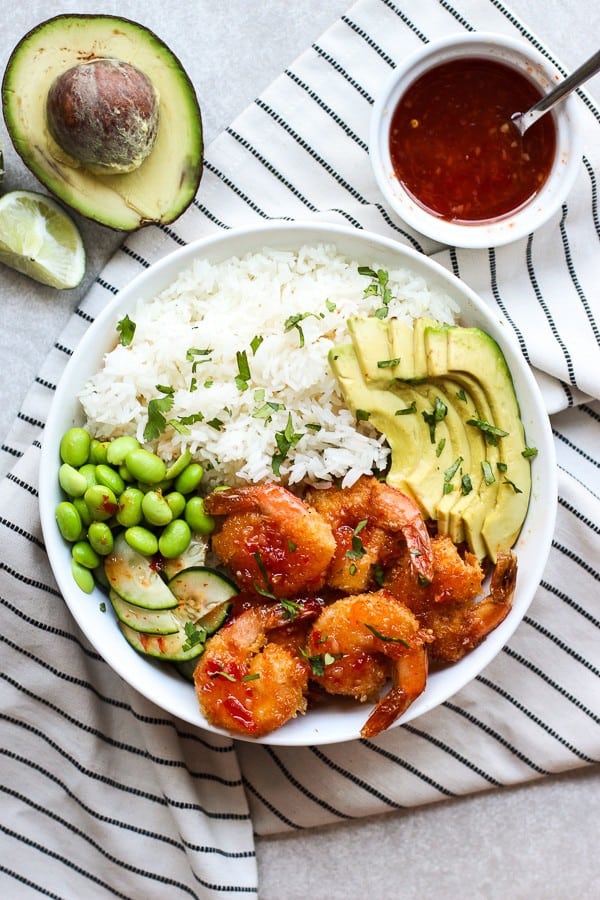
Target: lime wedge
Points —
{"points": [[39, 239]]}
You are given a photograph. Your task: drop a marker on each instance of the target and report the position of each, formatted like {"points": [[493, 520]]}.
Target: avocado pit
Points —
{"points": [[104, 114]]}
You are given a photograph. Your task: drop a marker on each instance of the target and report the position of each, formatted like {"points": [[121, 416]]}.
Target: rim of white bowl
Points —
{"points": [[529, 217]]}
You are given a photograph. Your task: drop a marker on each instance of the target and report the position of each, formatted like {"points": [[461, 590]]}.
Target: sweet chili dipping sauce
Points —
{"points": [[454, 149]]}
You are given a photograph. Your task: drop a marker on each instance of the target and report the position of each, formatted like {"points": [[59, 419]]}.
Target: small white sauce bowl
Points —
{"points": [[530, 216]]}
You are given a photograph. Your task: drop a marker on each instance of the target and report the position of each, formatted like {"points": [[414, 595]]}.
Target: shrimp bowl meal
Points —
{"points": [[297, 484]]}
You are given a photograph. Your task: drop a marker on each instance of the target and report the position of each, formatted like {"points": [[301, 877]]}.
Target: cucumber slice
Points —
{"points": [[194, 555], [203, 595], [172, 647], [132, 576], [150, 621], [199, 590]]}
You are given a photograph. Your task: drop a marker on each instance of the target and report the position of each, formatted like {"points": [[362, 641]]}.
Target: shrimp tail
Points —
{"points": [[420, 549], [409, 677]]}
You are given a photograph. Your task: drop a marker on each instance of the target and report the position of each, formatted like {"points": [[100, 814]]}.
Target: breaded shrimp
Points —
{"points": [[246, 683], [271, 540], [367, 520], [358, 642], [451, 606]]}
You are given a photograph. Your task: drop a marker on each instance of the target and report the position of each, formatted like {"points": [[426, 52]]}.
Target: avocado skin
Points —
{"points": [[465, 369], [165, 184]]}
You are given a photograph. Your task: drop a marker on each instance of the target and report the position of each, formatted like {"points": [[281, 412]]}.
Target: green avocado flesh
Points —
{"points": [[444, 398], [166, 182]]}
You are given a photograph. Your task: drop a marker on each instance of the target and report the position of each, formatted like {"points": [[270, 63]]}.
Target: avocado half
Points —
{"points": [[166, 182]]}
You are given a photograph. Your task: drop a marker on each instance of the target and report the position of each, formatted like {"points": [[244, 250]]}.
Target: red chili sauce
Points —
{"points": [[454, 149]]}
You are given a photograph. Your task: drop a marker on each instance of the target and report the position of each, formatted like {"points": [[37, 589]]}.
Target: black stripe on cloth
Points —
{"points": [[541, 629], [329, 59], [575, 280], [162, 800], [301, 788], [251, 789], [552, 732], [108, 820], [30, 488], [551, 588], [531, 667], [11, 451], [132, 254], [29, 420], [403, 763], [208, 214], [368, 40], [28, 883], [578, 515], [570, 554], [250, 148], [495, 289], [594, 188], [82, 314], [544, 306], [283, 124], [235, 189], [453, 753], [357, 782], [314, 96], [487, 729], [106, 738], [456, 15], [45, 384], [408, 22], [34, 845], [107, 287], [166, 229]]}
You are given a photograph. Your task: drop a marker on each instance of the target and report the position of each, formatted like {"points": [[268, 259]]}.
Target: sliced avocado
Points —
{"points": [[164, 185], [472, 477]]}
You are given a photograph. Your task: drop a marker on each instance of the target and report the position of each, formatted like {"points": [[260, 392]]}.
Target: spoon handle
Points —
{"points": [[573, 81]]}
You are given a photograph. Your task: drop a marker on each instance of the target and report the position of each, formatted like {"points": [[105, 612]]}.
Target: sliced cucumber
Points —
{"points": [[200, 590], [132, 576], [150, 621], [173, 647], [203, 597], [194, 555]]}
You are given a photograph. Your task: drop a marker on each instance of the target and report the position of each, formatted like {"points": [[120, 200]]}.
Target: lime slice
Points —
{"points": [[39, 239]]}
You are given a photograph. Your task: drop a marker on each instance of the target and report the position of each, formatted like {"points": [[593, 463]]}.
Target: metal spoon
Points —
{"points": [[523, 121]]}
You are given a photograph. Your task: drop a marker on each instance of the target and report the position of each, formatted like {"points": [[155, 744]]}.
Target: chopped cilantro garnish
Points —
{"points": [[126, 331], [194, 636], [294, 322], [407, 409], [384, 637], [285, 440], [290, 608], [243, 376], [439, 412], [489, 431], [387, 363], [529, 452], [255, 343], [157, 421]]}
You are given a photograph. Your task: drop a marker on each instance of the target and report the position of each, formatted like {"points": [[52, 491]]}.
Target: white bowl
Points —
{"points": [[531, 215], [161, 684]]}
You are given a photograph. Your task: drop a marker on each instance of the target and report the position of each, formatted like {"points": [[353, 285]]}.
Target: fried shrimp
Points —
{"points": [[367, 521], [358, 642], [247, 683], [451, 606], [271, 540]]}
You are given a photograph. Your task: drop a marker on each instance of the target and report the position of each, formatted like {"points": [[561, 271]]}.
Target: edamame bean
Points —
{"points": [[101, 502], [177, 467], [89, 473], [145, 466], [101, 538], [118, 449], [109, 477], [189, 479], [68, 521], [155, 508], [198, 520], [174, 539], [82, 508], [142, 540], [75, 446], [176, 503], [130, 507], [84, 554], [73, 483], [98, 451], [83, 577]]}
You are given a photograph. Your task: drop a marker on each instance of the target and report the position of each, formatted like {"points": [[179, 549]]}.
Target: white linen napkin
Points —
{"points": [[92, 771]]}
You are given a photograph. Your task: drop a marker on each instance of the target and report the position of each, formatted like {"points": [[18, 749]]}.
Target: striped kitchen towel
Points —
{"points": [[102, 792]]}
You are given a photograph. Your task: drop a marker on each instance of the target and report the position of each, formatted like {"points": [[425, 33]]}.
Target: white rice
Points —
{"points": [[222, 308]]}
